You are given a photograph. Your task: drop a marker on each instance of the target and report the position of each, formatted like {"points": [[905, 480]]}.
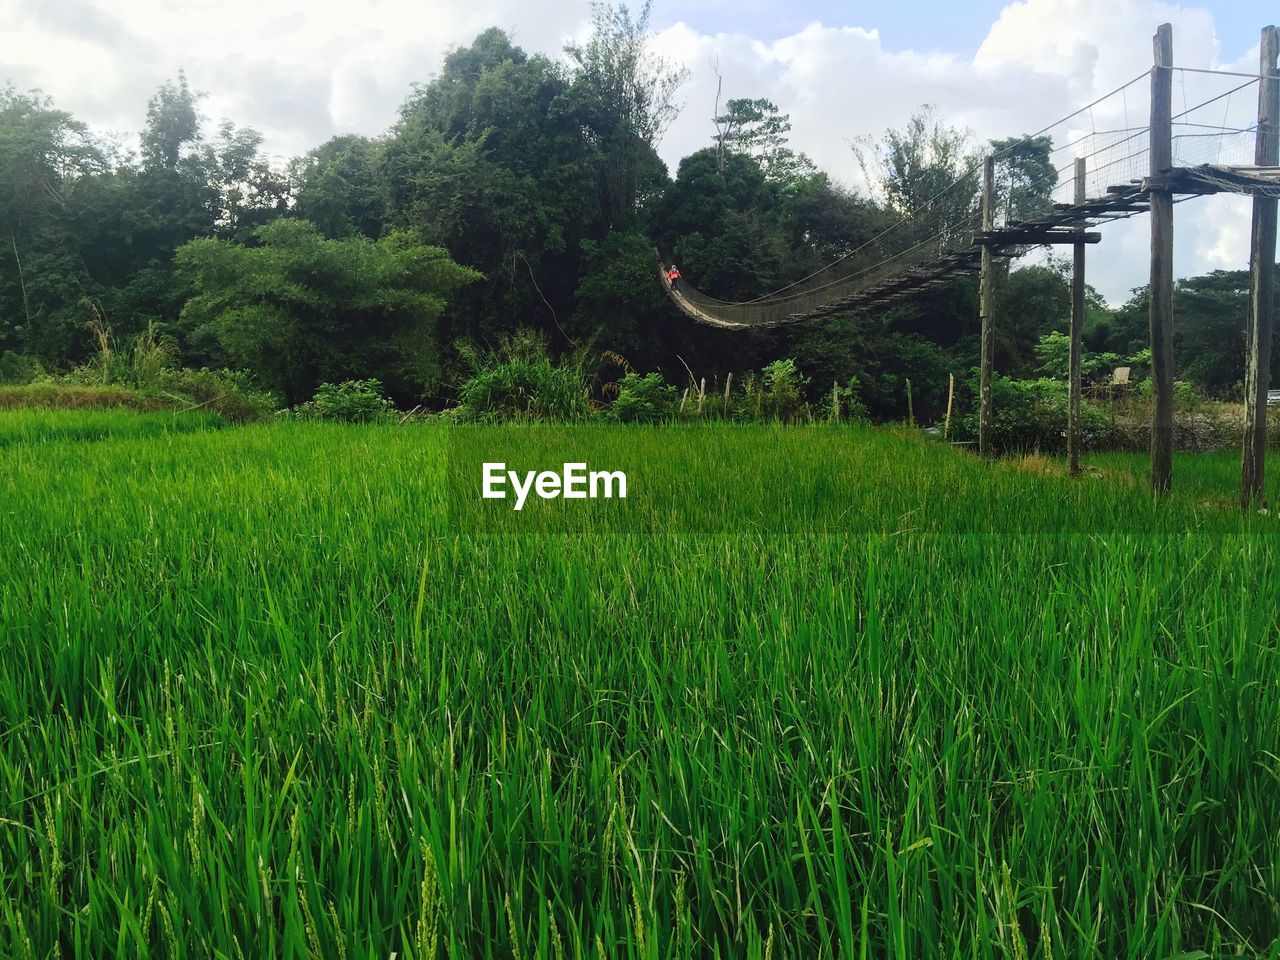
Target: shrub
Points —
{"points": [[644, 399], [849, 398], [351, 401], [782, 396], [520, 382], [19, 369], [1032, 415]]}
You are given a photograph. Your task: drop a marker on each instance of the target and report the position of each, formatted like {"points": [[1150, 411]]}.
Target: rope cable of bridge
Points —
{"points": [[936, 239], [965, 175]]}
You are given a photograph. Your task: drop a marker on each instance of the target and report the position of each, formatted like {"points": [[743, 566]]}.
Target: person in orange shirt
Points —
{"points": [[674, 276]]}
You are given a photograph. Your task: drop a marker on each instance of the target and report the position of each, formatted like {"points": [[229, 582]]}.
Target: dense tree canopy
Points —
{"points": [[520, 191]]}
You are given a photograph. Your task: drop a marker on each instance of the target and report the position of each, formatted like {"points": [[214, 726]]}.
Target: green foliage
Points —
{"points": [[1024, 178], [757, 128], [915, 167], [1031, 415], [520, 382], [336, 187], [1053, 356], [18, 368], [624, 94], [848, 401], [352, 401], [643, 399], [617, 299], [232, 394], [783, 391], [299, 310]]}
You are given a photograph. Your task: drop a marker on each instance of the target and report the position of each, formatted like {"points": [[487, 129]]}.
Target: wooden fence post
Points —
{"points": [[1161, 292], [951, 392], [987, 290], [1262, 271], [1077, 333]]}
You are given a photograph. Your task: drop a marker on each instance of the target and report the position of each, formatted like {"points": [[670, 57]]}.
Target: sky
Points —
{"points": [[301, 71]]}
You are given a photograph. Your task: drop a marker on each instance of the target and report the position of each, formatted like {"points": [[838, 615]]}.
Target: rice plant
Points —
{"points": [[277, 691]]}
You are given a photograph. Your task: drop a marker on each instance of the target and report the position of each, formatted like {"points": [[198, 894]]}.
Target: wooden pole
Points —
{"points": [[987, 290], [951, 392], [835, 400], [1161, 293], [1262, 270], [911, 410], [1077, 333]]}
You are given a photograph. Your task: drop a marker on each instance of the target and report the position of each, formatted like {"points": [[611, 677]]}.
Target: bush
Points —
{"points": [[850, 402], [351, 401], [19, 369], [520, 382], [644, 399], [1032, 415], [782, 396]]}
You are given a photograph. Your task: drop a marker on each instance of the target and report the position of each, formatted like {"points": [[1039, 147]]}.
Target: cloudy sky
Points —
{"points": [[303, 70]]}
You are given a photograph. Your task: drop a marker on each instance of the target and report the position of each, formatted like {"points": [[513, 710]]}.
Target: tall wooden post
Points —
{"points": [[1161, 293], [1077, 334], [1262, 269], [987, 308]]}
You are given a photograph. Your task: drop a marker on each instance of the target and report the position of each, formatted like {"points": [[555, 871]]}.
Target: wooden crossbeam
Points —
{"points": [[1033, 237], [1252, 181]]}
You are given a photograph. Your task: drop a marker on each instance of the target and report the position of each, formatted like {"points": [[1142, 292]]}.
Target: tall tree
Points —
{"points": [[927, 174], [757, 128], [173, 122], [1025, 177], [46, 157], [626, 97]]}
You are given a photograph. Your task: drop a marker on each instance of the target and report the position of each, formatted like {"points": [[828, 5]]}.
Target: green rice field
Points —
{"points": [[292, 690]]}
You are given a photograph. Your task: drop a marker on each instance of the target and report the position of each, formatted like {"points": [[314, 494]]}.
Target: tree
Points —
{"points": [[625, 95], [756, 128], [173, 122], [927, 175], [336, 187], [1024, 177], [298, 309], [618, 302], [46, 156], [490, 160]]}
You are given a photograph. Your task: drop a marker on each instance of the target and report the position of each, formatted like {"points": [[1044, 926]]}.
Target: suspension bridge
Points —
{"points": [[1095, 177]]}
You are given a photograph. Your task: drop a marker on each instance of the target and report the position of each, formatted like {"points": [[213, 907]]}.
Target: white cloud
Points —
{"points": [[303, 71]]}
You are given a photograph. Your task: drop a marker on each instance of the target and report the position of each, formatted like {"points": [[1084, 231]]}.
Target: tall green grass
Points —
{"points": [[266, 693]]}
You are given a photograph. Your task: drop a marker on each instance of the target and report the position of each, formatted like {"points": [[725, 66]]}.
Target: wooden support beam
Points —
{"points": [[987, 307], [1161, 291], [1077, 333], [1034, 238], [1262, 271]]}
